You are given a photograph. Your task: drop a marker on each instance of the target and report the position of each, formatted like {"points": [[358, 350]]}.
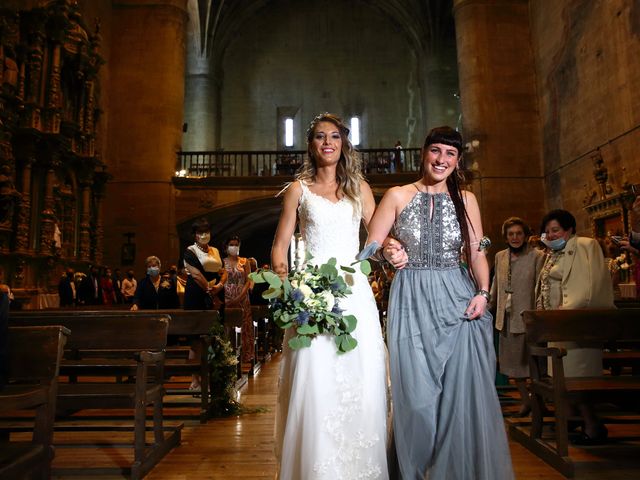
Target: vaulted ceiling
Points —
{"points": [[215, 22]]}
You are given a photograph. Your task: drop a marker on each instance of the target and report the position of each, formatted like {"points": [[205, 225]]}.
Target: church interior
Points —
{"points": [[123, 121]]}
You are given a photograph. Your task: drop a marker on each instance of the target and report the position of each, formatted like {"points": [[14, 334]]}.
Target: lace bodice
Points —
{"points": [[329, 229], [431, 243]]}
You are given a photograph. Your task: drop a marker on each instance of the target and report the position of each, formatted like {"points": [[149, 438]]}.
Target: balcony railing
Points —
{"points": [[286, 162]]}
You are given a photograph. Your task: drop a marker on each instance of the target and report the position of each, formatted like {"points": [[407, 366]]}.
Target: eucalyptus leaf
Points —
{"points": [[296, 343], [308, 329], [257, 277], [365, 267], [273, 279], [272, 293], [329, 270], [351, 322], [348, 343], [347, 269]]}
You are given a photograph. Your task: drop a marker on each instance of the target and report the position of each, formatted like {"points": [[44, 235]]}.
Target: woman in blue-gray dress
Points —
{"points": [[447, 418]]}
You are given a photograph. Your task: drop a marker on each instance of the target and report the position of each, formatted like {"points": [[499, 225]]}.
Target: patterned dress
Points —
{"points": [[235, 283]]}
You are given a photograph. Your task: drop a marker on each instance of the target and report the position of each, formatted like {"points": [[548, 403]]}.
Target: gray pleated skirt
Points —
{"points": [[447, 418]]}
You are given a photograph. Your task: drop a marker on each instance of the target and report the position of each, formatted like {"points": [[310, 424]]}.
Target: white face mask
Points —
{"points": [[203, 238], [233, 250]]}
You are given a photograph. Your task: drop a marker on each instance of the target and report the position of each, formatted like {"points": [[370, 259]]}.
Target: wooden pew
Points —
{"points": [[233, 329], [107, 346], [33, 384], [194, 325], [261, 317], [597, 326]]}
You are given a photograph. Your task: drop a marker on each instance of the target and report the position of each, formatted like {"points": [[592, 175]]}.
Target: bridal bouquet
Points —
{"points": [[308, 301]]}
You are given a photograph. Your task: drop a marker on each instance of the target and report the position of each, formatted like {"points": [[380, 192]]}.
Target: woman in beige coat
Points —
{"points": [[512, 291], [574, 275]]}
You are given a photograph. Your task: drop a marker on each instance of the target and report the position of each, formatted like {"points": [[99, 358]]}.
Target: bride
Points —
{"points": [[331, 415]]}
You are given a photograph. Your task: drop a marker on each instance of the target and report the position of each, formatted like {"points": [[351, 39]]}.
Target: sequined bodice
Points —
{"points": [[328, 229], [432, 238]]}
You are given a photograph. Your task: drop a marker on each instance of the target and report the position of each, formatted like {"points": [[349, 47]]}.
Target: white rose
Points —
{"points": [[294, 283], [306, 290], [329, 299]]}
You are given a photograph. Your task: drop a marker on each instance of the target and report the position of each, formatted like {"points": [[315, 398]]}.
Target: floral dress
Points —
{"points": [[235, 283]]}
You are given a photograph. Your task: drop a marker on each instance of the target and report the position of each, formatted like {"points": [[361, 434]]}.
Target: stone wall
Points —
{"points": [[312, 57], [588, 72]]}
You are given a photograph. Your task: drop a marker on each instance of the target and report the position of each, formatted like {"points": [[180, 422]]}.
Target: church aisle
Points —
{"points": [[239, 447], [242, 447]]}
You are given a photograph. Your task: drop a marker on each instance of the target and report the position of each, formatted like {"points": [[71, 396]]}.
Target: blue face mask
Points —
{"points": [[153, 271], [557, 244]]}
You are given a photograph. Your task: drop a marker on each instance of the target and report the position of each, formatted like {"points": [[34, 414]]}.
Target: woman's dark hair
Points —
{"points": [[200, 225], [448, 136], [511, 221], [445, 135], [231, 239], [563, 217]]}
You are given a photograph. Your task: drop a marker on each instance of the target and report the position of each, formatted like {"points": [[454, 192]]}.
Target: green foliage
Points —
{"points": [[308, 300], [223, 362]]}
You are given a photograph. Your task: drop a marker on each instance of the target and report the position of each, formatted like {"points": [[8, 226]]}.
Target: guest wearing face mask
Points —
{"points": [[574, 275], [236, 293], [153, 292], [513, 291], [206, 277], [129, 285]]}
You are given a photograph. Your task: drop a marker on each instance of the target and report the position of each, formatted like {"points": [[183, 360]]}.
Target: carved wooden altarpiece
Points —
{"points": [[51, 177]]}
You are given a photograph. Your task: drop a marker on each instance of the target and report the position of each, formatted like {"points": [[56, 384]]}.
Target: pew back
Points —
{"points": [[585, 325]]}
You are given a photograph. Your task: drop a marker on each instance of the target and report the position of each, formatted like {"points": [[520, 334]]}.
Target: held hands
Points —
{"points": [[394, 253]]}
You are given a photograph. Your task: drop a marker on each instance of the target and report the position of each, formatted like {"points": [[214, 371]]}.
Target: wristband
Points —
{"points": [[483, 293]]}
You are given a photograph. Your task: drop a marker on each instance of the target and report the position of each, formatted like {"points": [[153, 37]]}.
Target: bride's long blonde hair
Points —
{"points": [[349, 168]]}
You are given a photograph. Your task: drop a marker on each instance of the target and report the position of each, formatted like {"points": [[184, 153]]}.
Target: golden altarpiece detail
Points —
{"points": [[51, 177]]}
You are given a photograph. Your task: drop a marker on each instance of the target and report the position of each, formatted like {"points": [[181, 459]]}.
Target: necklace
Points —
{"points": [[205, 249]]}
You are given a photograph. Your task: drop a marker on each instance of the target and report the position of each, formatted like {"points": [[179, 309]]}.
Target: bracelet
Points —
{"points": [[483, 293], [378, 256]]}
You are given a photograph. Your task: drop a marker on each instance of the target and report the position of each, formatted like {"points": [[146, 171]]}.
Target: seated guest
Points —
{"points": [[129, 285], [67, 289], [154, 292], [574, 275]]}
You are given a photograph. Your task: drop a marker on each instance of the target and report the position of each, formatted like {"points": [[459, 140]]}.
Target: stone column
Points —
{"points": [[499, 109], [147, 68]]}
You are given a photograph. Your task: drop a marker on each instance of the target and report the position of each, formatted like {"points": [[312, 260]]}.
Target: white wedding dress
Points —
{"points": [[332, 409]]}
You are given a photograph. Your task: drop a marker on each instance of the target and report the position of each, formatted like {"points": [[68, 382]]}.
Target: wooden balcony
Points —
{"points": [[284, 163]]}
